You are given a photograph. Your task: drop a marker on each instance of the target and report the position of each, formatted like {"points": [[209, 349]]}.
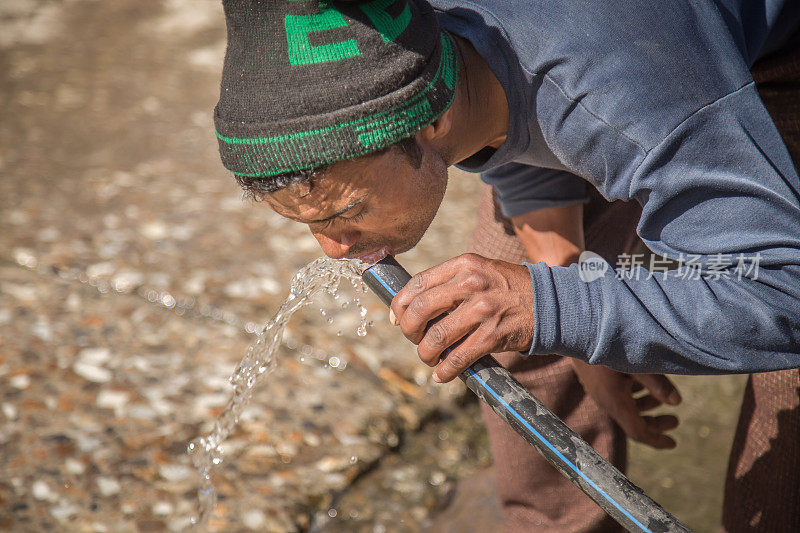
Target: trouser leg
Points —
{"points": [[762, 488]]}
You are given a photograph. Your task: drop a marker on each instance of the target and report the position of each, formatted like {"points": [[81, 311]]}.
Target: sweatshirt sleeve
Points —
{"points": [[523, 188], [720, 189]]}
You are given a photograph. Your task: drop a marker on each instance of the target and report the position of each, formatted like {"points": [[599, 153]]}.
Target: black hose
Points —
{"points": [[562, 447]]}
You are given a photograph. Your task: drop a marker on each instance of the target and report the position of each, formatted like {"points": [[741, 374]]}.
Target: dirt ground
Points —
{"points": [[132, 275]]}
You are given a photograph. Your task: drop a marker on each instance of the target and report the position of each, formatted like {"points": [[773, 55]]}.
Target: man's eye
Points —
{"points": [[341, 220], [355, 218]]}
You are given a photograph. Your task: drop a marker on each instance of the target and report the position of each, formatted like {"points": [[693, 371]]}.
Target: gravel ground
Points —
{"points": [[132, 275]]}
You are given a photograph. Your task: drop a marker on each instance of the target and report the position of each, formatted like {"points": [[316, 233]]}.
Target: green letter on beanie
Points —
{"points": [[389, 27], [301, 52]]}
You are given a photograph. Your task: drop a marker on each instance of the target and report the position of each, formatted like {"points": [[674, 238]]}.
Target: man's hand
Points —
{"points": [[488, 306], [613, 391]]}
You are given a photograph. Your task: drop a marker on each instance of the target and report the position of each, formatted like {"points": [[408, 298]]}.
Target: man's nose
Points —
{"points": [[336, 245]]}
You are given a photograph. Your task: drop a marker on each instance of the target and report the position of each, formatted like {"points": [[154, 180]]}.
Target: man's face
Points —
{"points": [[368, 207]]}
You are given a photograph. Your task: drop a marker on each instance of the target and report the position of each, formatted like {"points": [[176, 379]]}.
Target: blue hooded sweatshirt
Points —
{"points": [[651, 100]]}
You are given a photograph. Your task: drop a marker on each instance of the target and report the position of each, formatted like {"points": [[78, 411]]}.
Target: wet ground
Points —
{"points": [[132, 275]]}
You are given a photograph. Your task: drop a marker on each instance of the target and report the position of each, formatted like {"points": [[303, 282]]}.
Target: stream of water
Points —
{"points": [[320, 276]]}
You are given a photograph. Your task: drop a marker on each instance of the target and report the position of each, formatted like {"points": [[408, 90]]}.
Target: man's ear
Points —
{"points": [[439, 128]]}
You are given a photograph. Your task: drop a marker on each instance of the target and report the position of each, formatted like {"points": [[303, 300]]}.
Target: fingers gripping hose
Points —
{"points": [[563, 448]]}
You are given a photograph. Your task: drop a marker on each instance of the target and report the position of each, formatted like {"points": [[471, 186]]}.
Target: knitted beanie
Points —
{"points": [[307, 82]]}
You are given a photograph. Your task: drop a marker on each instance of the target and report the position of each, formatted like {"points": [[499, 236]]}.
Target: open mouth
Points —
{"points": [[374, 257]]}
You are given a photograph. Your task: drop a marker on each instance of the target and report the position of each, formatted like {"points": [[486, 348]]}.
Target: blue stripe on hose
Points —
{"points": [[554, 450], [538, 435], [388, 288]]}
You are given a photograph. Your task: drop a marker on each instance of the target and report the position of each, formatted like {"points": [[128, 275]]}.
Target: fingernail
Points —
{"points": [[436, 377], [674, 398], [392, 318]]}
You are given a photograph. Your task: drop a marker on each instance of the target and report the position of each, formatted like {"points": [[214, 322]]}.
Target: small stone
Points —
{"points": [[86, 443], [172, 472], [142, 412], [437, 478], [19, 217], [162, 508], [312, 440], [63, 511], [48, 235], [195, 284], [41, 491], [24, 257], [155, 230], [10, 411], [94, 356], [181, 523], [286, 449], [20, 381], [74, 467], [112, 399], [127, 280], [108, 486], [92, 373], [98, 270], [332, 464], [73, 302], [26, 293], [43, 330], [254, 519]]}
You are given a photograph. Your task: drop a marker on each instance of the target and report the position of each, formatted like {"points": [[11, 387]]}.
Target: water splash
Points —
{"points": [[322, 275], [319, 276]]}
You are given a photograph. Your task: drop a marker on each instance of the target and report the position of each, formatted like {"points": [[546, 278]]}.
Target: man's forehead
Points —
{"points": [[326, 198]]}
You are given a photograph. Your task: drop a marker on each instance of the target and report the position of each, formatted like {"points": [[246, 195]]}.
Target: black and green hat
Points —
{"points": [[307, 82]]}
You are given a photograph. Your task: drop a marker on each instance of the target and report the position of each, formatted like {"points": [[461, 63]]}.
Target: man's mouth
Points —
{"points": [[374, 257]]}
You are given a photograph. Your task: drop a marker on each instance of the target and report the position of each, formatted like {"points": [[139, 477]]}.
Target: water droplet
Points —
{"points": [[332, 513], [334, 362], [339, 333], [353, 459], [362, 311], [330, 320], [361, 331]]}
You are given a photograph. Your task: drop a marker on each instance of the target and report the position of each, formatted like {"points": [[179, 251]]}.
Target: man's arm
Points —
{"points": [[555, 236], [719, 186]]}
